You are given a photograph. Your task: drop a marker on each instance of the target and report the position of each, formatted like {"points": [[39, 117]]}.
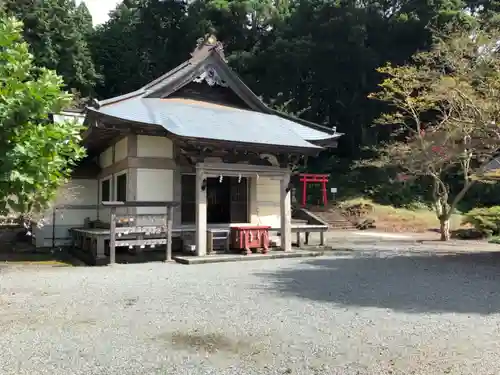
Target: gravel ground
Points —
{"points": [[358, 314]]}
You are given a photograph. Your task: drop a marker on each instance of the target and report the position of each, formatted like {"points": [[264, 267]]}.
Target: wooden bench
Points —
{"points": [[304, 221], [125, 230], [92, 242], [308, 229], [298, 228]]}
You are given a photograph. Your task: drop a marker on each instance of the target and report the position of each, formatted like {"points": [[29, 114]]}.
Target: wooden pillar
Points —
{"points": [[112, 236], [100, 253], [169, 225], [177, 181], [285, 213], [325, 196], [201, 213], [304, 191], [253, 212]]}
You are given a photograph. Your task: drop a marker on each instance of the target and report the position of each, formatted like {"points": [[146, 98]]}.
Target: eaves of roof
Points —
{"points": [[192, 120]]}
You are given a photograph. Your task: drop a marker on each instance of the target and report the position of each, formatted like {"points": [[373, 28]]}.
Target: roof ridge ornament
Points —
{"points": [[207, 43]]}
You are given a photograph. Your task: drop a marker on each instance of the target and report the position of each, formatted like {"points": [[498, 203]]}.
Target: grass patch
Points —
{"points": [[391, 219], [37, 259], [40, 263], [495, 240]]}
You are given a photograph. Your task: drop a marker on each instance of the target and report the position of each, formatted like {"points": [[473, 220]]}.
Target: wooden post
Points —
{"points": [[201, 213], [170, 218], [285, 213], [299, 244], [210, 242], [73, 238], [304, 192], [323, 188], [137, 250], [100, 252], [112, 236]]}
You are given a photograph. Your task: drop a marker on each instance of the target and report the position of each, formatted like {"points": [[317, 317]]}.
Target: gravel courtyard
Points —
{"points": [[380, 313]]}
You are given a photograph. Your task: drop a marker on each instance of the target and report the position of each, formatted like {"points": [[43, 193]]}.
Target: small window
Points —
{"points": [[106, 190], [121, 188]]}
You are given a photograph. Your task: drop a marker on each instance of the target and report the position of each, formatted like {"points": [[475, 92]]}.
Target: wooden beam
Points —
{"points": [[242, 169], [142, 242], [136, 162], [146, 229], [246, 146], [201, 212], [285, 214], [140, 204]]}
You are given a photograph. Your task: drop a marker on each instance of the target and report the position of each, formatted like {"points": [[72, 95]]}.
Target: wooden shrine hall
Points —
{"points": [[196, 136]]}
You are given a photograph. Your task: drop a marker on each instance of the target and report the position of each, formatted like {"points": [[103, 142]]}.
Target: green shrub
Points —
{"points": [[485, 220], [467, 234]]}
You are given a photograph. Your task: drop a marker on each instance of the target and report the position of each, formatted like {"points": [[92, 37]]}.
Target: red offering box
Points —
{"points": [[246, 238]]}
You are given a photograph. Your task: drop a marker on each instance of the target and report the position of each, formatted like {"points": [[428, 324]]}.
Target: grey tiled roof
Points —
{"points": [[308, 133], [210, 121]]}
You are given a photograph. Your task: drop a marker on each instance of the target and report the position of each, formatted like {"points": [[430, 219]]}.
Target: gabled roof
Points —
{"points": [[152, 104]]}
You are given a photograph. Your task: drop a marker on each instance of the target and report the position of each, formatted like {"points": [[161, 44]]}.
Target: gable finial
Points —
{"points": [[207, 43], [210, 40]]}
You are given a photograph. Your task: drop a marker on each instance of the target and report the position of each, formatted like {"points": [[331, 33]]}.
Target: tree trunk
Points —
{"points": [[444, 228]]}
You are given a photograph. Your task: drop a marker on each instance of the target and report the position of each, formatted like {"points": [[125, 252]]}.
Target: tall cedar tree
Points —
{"points": [[57, 32]]}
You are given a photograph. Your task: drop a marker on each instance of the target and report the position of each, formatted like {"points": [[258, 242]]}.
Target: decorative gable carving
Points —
{"points": [[210, 76], [213, 94]]}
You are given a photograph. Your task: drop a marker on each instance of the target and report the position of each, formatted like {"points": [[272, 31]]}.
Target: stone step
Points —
{"points": [[346, 226]]}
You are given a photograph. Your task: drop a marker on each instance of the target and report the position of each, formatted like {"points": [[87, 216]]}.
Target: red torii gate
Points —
{"points": [[306, 178]]}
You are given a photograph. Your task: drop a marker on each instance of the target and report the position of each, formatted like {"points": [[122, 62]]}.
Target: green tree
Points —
{"points": [[83, 19], [57, 31], [320, 62], [145, 38], [142, 40], [36, 155], [445, 115], [316, 59]]}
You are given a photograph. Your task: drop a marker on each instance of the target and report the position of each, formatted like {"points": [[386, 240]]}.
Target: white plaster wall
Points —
{"points": [[74, 217], [75, 192], [149, 146], [78, 191], [154, 185], [265, 208], [121, 151], [106, 158]]}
